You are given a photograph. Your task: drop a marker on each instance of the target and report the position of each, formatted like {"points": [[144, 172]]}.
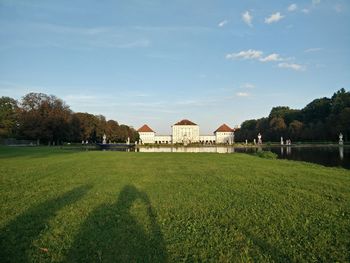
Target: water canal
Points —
{"points": [[333, 155]]}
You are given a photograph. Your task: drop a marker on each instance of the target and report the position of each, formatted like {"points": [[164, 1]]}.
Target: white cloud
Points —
{"points": [[294, 66], [222, 23], [258, 55], [292, 7], [248, 54], [242, 94], [247, 18], [271, 57], [313, 49], [274, 18], [305, 11], [316, 2]]}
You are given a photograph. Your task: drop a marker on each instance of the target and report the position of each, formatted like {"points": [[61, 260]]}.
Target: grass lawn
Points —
{"points": [[67, 206]]}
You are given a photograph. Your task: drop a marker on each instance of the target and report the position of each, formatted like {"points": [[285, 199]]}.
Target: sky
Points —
{"points": [[157, 62]]}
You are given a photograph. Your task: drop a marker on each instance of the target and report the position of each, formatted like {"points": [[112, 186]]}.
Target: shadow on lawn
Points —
{"points": [[17, 237], [112, 234], [7, 152]]}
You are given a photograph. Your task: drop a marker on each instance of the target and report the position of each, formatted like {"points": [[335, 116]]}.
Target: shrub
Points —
{"points": [[266, 154]]}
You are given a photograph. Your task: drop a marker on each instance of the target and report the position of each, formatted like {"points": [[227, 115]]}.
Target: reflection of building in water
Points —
{"points": [[185, 132], [182, 149]]}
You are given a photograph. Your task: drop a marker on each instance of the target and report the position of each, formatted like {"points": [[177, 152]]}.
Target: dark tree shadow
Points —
{"points": [[17, 237], [7, 152], [112, 234]]}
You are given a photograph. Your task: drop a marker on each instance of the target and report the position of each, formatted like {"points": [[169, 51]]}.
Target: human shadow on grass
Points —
{"points": [[16, 238], [112, 233]]}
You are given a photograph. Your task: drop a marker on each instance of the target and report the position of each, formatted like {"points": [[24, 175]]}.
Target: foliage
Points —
{"points": [[8, 116], [65, 206], [48, 119], [44, 117], [266, 154], [321, 120]]}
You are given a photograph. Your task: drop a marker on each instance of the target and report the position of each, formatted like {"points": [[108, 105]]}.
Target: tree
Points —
{"points": [[88, 125], [74, 129], [340, 100], [295, 130], [247, 131], [279, 112], [8, 116], [343, 124], [317, 110], [278, 127], [100, 127], [321, 119], [112, 128], [58, 120], [134, 135], [263, 127], [47, 118], [44, 117], [92, 127]]}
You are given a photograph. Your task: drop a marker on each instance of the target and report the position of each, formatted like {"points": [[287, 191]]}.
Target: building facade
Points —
{"points": [[186, 132], [224, 134], [161, 139], [147, 135]]}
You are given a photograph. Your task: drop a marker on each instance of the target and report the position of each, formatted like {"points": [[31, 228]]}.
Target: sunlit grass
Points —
{"points": [[62, 205]]}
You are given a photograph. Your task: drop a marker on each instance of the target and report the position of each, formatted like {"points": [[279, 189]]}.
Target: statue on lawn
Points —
{"points": [[259, 138], [341, 142]]}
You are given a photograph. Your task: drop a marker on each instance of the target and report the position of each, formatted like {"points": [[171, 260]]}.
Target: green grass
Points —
{"points": [[61, 205]]}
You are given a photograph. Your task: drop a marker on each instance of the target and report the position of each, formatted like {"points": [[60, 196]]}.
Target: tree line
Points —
{"points": [[322, 119], [47, 119]]}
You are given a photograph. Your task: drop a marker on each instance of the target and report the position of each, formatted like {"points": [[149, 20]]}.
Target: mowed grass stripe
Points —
{"points": [[61, 205]]}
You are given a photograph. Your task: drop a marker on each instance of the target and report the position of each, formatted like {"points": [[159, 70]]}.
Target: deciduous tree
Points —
{"points": [[8, 116]]}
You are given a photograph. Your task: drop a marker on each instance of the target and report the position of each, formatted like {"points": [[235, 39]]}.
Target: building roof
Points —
{"points": [[145, 128], [224, 128], [185, 122]]}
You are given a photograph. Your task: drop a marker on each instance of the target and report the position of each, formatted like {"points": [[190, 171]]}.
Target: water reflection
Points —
{"points": [[341, 152], [219, 149], [325, 155], [286, 151]]}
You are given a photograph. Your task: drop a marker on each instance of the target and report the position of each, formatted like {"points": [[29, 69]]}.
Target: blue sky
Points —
{"points": [[156, 62]]}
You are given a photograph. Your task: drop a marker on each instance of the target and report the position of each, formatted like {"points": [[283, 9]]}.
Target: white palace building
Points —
{"points": [[186, 132]]}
